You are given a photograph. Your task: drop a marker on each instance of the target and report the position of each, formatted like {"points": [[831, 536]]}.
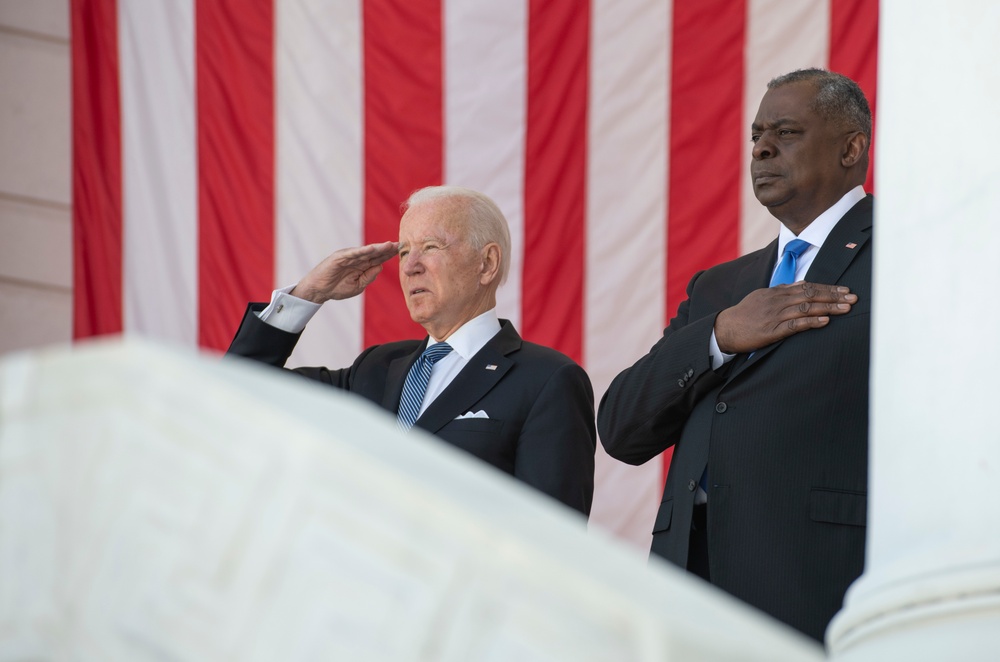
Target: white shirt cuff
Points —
{"points": [[288, 313], [719, 358]]}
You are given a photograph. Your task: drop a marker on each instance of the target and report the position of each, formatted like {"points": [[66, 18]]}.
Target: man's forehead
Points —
{"points": [[790, 103], [430, 221]]}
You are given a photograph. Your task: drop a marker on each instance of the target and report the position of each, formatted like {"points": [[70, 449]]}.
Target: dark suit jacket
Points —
{"points": [[540, 403], [784, 434]]}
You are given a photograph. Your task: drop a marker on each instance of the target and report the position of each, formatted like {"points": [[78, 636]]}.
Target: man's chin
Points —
{"points": [[417, 315], [769, 198]]}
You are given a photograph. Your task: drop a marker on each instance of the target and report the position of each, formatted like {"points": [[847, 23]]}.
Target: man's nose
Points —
{"points": [[410, 263], [763, 148]]}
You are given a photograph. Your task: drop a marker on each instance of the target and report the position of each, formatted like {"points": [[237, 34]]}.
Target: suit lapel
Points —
{"points": [[396, 377], [757, 274], [481, 374], [843, 244]]}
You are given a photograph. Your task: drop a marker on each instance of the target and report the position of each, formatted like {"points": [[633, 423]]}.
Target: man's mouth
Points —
{"points": [[764, 177]]}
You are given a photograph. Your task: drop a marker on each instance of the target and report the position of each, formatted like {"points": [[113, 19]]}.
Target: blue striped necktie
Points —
{"points": [[416, 383], [785, 273]]}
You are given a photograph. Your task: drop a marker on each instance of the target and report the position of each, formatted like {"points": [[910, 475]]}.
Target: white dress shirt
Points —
{"points": [[465, 342]]}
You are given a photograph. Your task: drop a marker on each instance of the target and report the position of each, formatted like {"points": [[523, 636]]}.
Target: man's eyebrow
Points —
{"points": [[423, 240], [780, 122]]}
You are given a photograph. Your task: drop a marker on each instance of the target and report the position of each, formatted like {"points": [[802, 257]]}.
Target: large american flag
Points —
{"points": [[223, 147]]}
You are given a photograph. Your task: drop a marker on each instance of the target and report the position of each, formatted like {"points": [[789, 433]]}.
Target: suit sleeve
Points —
{"points": [[259, 341], [647, 405], [555, 451]]}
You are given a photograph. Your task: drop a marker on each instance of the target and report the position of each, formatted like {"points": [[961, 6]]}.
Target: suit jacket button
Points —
{"points": [[721, 407], [681, 383], [692, 485], [690, 373]]}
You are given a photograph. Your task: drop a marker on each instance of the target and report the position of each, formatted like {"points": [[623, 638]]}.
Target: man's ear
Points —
{"points": [[490, 254], [855, 149]]}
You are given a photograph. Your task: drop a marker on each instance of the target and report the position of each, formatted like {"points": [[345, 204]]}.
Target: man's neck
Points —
{"points": [[836, 208]]}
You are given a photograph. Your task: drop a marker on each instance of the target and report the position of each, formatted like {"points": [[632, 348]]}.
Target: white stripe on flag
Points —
{"points": [[626, 221], [159, 170], [781, 37], [318, 117], [484, 117]]}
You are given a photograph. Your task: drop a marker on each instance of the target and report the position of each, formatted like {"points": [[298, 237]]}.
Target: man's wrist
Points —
{"points": [[288, 312], [717, 356]]}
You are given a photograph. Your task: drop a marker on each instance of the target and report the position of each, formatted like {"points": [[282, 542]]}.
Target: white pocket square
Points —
{"points": [[469, 414]]}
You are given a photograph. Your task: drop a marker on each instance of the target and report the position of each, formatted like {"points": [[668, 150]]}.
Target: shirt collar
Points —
{"points": [[471, 336], [817, 231]]}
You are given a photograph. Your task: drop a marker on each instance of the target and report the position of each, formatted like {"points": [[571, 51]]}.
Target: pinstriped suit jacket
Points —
{"points": [[540, 403], [784, 435]]}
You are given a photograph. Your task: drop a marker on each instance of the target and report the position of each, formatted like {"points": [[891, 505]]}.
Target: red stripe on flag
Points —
{"points": [[404, 138], [235, 87], [555, 175], [97, 170], [706, 132], [854, 53]]}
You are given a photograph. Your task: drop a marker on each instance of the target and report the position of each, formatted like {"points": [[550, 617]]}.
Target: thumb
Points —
{"points": [[370, 274]]}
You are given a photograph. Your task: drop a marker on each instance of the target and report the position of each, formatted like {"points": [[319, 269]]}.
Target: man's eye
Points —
{"points": [[755, 137], [403, 253]]}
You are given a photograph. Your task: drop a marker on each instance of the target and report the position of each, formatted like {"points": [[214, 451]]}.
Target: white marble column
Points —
{"points": [[931, 588]]}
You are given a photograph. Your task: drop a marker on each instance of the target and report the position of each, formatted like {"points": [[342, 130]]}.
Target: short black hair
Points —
{"points": [[838, 98]]}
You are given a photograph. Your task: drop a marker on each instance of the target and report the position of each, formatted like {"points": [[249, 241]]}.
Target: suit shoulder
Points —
{"points": [[543, 355], [739, 263], [390, 351]]}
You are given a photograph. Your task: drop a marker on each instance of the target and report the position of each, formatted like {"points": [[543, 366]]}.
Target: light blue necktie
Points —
{"points": [[416, 383], [785, 273]]}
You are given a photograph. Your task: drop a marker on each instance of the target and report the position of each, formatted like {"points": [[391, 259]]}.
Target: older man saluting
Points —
{"points": [[525, 409]]}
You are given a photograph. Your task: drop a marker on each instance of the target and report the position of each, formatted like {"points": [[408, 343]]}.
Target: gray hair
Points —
{"points": [[485, 221], [838, 98]]}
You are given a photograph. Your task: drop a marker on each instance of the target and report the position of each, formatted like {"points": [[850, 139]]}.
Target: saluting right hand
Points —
{"points": [[345, 273]]}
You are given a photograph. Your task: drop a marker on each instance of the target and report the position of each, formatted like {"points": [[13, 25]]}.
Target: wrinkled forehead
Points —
{"points": [[439, 218], [787, 103]]}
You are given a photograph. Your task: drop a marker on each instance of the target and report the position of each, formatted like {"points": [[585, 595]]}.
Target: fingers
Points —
{"points": [[815, 292], [370, 253], [799, 324], [386, 248], [368, 277], [812, 305], [807, 308]]}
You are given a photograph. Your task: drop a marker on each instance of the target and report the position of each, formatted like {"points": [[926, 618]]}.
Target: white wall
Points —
{"points": [[35, 174], [251, 529], [931, 586]]}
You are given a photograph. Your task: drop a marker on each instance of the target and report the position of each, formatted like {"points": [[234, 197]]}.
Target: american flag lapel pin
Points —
{"points": [[852, 245], [491, 366]]}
